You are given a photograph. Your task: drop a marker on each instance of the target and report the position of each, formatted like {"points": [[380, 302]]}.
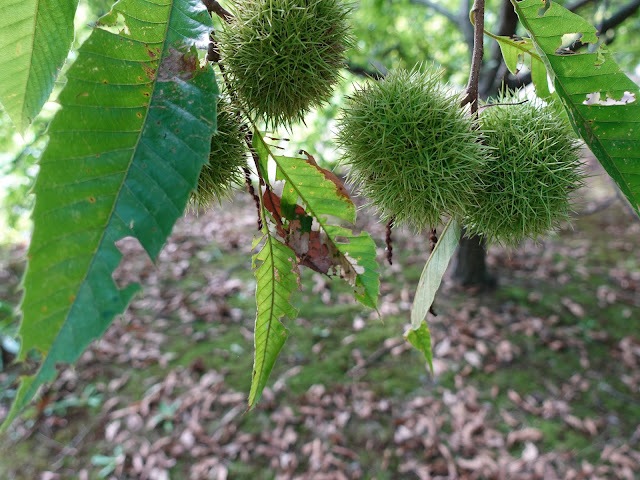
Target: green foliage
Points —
{"points": [[284, 56], [592, 89], [326, 200], [134, 141], [420, 339], [277, 279], [34, 41], [125, 152], [338, 251], [525, 189], [228, 154], [515, 51], [402, 33], [433, 272], [411, 148]]}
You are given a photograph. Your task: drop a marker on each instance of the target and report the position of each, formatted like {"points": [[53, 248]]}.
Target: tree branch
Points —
{"points": [[471, 98], [576, 5], [620, 16], [440, 9]]}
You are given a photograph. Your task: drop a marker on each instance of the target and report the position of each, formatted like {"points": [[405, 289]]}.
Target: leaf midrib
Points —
{"points": [[124, 179]]}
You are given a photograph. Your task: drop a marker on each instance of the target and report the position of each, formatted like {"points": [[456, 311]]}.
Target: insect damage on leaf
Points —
{"points": [[308, 245], [329, 175]]}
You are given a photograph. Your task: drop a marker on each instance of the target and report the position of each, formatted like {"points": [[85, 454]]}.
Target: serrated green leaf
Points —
{"points": [[277, 279], [262, 150], [420, 339], [324, 199], [124, 154], [35, 36], [360, 252], [433, 272], [611, 131]]}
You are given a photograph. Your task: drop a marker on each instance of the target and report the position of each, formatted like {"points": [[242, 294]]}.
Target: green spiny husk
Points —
{"points": [[411, 148], [525, 189], [228, 155], [284, 56]]}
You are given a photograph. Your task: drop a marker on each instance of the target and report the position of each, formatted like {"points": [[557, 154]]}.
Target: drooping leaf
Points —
{"points": [[325, 198], [420, 339], [603, 104], [514, 52], [124, 154], [433, 272], [35, 36], [277, 278]]}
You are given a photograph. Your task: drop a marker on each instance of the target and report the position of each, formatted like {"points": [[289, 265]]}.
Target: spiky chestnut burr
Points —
{"points": [[411, 149], [284, 56], [525, 189], [228, 155]]}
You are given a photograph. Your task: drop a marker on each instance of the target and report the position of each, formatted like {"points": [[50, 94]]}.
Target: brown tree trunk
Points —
{"points": [[471, 266]]}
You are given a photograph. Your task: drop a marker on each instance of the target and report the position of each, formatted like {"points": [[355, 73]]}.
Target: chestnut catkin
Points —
{"points": [[525, 189], [284, 56], [411, 149]]}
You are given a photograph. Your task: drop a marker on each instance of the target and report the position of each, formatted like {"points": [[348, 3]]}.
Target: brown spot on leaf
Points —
{"points": [[178, 64], [328, 175], [153, 53], [150, 72], [92, 200]]}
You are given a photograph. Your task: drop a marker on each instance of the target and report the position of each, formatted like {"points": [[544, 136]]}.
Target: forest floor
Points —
{"points": [[537, 379]]}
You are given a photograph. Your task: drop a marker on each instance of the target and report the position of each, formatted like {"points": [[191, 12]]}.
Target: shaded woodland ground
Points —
{"points": [[539, 379]]}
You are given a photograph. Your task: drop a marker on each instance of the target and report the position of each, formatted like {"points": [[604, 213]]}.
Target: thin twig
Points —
{"points": [[487, 105], [471, 97], [69, 449], [598, 207], [213, 55], [452, 17], [359, 370], [252, 192]]}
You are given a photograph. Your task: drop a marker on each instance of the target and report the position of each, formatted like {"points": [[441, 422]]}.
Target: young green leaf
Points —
{"points": [[433, 272], [513, 51], [125, 152], [35, 37], [277, 278], [603, 104], [420, 339]]}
